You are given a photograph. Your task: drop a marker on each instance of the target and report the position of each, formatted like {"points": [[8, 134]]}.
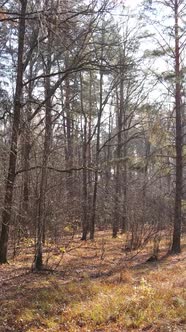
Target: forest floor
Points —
{"points": [[93, 286]]}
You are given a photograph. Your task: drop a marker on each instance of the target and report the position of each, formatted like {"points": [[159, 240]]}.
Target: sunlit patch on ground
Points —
{"points": [[94, 286]]}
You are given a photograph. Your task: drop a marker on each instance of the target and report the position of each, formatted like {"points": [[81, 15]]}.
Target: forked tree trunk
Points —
{"points": [[7, 208]]}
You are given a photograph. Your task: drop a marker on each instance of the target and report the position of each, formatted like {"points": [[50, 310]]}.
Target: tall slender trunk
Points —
{"points": [[69, 138], [85, 225], [108, 155], [117, 210], [25, 184], [26, 159], [6, 214], [94, 201], [176, 244], [41, 223], [69, 130], [89, 151], [145, 178], [124, 212]]}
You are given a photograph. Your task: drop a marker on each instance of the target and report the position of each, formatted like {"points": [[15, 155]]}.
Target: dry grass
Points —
{"points": [[93, 287]]}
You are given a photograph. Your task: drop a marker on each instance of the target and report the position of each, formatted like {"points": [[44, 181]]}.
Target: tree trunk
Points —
{"points": [[6, 214], [117, 209], [85, 225], [26, 138], [69, 148], [94, 201], [124, 214], [176, 245], [38, 262], [89, 153]]}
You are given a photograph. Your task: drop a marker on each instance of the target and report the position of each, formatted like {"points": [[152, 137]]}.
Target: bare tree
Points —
{"points": [[18, 100]]}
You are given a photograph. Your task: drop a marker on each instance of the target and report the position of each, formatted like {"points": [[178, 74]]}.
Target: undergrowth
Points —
{"points": [[151, 297]]}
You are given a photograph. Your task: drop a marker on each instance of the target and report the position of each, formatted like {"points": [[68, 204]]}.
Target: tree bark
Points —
{"points": [[94, 201], [26, 138], [41, 223], [176, 244], [6, 214], [117, 209], [85, 224]]}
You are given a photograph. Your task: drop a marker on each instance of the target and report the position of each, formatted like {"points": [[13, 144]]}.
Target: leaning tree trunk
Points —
{"points": [[176, 246], [6, 214]]}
